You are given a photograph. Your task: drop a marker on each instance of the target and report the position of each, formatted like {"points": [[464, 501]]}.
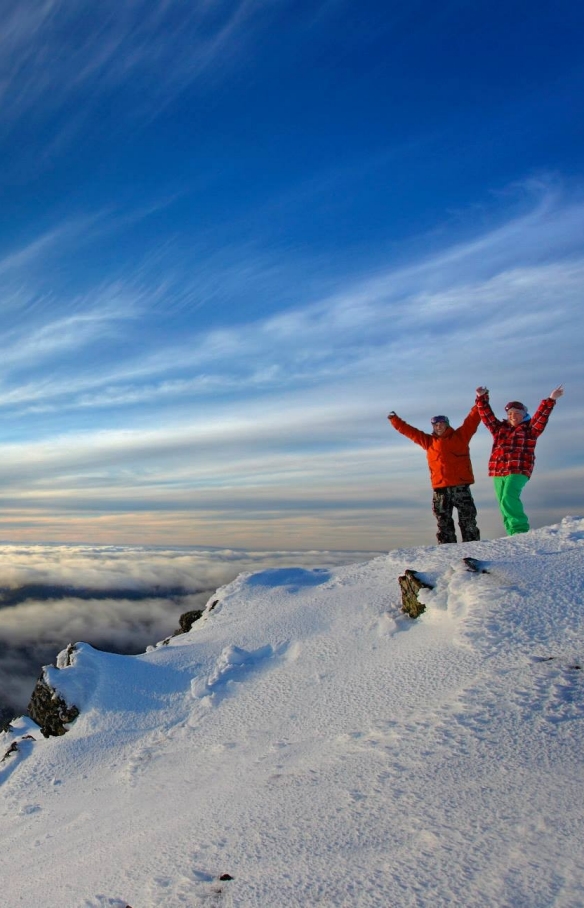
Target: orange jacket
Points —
{"points": [[448, 456]]}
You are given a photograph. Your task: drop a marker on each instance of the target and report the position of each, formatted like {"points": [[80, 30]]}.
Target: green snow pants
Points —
{"points": [[508, 490]]}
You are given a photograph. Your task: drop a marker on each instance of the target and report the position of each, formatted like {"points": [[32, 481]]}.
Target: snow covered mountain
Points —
{"points": [[314, 746]]}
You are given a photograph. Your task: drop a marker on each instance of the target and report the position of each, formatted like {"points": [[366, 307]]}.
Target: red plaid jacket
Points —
{"points": [[513, 448]]}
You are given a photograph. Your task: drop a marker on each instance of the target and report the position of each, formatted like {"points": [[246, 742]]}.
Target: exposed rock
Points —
{"points": [[69, 650], [11, 750], [186, 621], [475, 566], [50, 712], [411, 583]]}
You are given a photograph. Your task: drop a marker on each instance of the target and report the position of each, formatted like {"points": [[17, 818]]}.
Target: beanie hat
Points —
{"points": [[436, 419]]}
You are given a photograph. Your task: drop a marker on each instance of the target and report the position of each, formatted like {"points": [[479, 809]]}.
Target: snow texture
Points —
{"points": [[320, 748]]}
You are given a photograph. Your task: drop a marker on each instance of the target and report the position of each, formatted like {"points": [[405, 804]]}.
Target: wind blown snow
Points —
{"points": [[318, 747]]}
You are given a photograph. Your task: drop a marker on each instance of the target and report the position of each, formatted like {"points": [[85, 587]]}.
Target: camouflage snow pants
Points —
{"points": [[443, 502]]}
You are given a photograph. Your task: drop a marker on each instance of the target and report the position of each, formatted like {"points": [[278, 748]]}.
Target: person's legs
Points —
{"points": [[499, 484], [442, 508], [467, 513], [508, 490]]}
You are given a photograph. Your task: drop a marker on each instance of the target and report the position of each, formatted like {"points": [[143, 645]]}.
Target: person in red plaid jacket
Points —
{"points": [[513, 455]]}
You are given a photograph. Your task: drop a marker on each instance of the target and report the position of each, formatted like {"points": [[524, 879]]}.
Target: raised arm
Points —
{"points": [[485, 412], [470, 424], [404, 428], [543, 412]]}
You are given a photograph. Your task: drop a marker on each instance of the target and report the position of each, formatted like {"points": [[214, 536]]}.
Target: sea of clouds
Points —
{"points": [[117, 598]]}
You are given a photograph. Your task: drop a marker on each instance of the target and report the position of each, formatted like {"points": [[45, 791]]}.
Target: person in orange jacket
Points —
{"points": [[451, 474]]}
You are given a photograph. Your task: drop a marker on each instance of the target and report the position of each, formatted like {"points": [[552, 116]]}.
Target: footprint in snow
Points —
{"points": [[199, 888], [105, 901]]}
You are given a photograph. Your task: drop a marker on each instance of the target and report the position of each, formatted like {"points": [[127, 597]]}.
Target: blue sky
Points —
{"points": [[234, 235]]}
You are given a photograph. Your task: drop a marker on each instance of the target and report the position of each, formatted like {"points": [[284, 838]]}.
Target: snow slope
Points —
{"points": [[321, 748]]}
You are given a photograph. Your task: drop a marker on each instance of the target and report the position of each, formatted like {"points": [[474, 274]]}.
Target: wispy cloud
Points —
{"points": [[520, 277], [52, 50], [71, 333]]}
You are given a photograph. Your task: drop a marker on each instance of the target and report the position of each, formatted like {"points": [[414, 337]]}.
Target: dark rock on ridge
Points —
{"points": [[50, 712], [411, 583], [186, 621], [48, 709]]}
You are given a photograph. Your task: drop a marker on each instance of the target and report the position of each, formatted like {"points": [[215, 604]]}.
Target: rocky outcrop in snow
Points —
{"points": [[48, 709], [50, 712], [411, 583]]}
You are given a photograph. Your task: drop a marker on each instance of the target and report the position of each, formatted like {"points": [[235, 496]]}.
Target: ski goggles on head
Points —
{"points": [[515, 405], [436, 419]]}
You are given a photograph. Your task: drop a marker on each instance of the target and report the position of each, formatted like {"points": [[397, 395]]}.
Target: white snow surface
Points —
{"points": [[321, 747]]}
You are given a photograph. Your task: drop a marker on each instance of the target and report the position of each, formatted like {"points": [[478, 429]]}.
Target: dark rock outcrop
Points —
{"points": [[411, 583], [48, 709], [11, 750], [186, 621]]}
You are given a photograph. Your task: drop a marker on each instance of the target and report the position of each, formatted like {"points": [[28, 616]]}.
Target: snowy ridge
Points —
{"points": [[321, 748]]}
